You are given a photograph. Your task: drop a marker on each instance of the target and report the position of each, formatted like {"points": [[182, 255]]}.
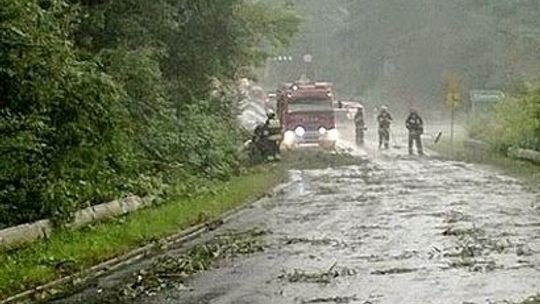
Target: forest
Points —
{"points": [[103, 98]]}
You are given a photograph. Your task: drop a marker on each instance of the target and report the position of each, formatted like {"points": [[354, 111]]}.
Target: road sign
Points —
{"points": [[485, 100], [453, 100], [453, 90], [486, 95]]}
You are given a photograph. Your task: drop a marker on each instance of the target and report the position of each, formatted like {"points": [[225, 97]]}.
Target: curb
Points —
{"points": [[46, 291]]}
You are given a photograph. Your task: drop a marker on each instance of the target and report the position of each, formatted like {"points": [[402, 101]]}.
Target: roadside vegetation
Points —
{"points": [[100, 99], [71, 251], [514, 123], [104, 99]]}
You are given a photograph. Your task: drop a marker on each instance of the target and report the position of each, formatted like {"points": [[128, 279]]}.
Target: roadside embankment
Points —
{"points": [[70, 251], [69, 256], [475, 151]]}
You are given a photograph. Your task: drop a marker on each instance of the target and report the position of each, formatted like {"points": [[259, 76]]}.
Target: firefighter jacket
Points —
{"points": [[384, 119], [414, 124]]}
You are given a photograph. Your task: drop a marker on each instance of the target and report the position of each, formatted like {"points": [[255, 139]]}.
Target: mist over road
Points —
{"points": [[390, 229]]}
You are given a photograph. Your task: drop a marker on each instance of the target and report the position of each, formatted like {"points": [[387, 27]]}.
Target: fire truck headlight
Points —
{"points": [[322, 130], [288, 137], [333, 134], [300, 131]]}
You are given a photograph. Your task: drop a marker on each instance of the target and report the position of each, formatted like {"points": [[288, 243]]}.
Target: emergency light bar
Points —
{"points": [[323, 84], [308, 90], [317, 85]]}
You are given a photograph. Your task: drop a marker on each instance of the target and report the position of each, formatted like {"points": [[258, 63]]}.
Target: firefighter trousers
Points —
{"points": [[415, 138], [384, 137]]}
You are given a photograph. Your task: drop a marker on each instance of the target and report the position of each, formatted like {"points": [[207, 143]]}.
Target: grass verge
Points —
{"points": [[514, 167], [74, 250]]}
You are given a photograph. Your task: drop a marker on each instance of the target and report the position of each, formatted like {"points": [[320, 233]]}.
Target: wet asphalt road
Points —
{"points": [[390, 229]]}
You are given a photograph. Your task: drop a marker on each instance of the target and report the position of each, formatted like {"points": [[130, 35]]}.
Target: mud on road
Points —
{"points": [[388, 229]]}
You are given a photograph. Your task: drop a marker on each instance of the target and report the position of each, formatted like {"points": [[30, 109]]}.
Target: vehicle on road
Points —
{"points": [[306, 112]]}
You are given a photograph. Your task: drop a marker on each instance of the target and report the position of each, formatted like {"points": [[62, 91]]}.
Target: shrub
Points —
{"points": [[56, 117], [100, 99], [515, 122]]}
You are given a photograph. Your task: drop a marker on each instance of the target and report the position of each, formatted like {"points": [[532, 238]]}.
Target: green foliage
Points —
{"points": [[56, 116], [45, 260], [274, 27], [103, 98], [514, 122]]}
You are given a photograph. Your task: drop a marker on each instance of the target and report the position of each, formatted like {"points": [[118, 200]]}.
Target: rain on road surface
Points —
{"points": [[390, 229]]}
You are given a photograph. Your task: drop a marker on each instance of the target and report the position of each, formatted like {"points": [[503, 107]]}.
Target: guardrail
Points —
{"points": [[525, 154], [26, 233]]}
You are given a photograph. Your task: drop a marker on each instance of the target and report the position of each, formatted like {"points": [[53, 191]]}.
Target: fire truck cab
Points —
{"points": [[306, 112]]}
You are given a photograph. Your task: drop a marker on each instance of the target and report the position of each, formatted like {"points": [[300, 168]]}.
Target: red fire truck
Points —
{"points": [[306, 112]]}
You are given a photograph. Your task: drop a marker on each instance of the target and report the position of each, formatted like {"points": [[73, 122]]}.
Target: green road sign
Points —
{"points": [[482, 99]]}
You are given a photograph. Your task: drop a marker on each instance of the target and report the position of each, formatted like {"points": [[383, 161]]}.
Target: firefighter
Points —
{"points": [[415, 125], [267, 137], [359, 126], [384, 119], [274, 130]]}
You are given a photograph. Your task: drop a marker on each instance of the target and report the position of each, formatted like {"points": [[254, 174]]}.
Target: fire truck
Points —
{"points": [[306, 113]]}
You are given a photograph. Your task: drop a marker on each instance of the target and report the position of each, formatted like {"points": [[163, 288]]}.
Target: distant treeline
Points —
{"points": [[400, 52], [100, 98]]}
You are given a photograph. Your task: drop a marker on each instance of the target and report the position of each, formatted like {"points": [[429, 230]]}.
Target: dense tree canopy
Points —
{"points": [[100, 98]]}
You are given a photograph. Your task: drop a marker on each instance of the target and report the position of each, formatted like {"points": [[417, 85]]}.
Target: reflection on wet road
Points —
{"points": [[388, 230]]}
